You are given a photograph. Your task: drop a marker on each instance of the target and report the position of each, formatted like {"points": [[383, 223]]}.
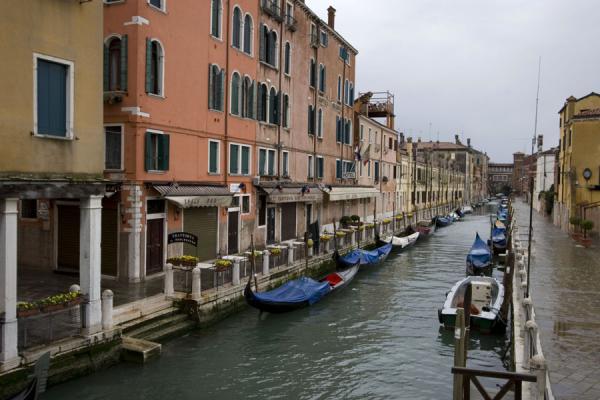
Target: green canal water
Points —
{"points": [[379, 338]]}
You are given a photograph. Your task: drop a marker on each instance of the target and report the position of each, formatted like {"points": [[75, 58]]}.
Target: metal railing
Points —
{"points": [[49, 326]]}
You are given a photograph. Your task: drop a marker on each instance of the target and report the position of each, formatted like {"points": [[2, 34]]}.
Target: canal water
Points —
{"points": [[379, 338]]}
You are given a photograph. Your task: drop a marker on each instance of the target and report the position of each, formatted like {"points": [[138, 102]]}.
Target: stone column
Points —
{"points": [[352, 238], [290, 254], [169, 286], [89, 262], [265, 266], [9, 356], [236, 272], [196, 284], [107, 309]]}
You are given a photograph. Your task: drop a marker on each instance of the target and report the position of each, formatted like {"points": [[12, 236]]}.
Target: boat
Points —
{"points": [[441, 222], [499, 237], [487, 295], [38, 384], [363, 257], [401, 242], [468, 209], [455, 216], [298, 293], [479, 259], [426, 228], [459, 212]]}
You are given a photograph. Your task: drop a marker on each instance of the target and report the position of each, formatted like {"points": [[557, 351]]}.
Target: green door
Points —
{"points": [[202, 222]]}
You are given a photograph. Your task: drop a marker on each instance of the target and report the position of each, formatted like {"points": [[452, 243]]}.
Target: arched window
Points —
{"points": [[339, 88], [272, 53], [247, 98], [312, 72], [248, 30], [322, 78], [262, 103], [215, 18], [287, 58], [273, 106], [154, 67], [285, 113], [236, 40], [235, 93], [216, 86]]}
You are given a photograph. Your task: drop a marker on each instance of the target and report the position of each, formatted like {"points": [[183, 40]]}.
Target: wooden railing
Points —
{"points": [[514, 381]]}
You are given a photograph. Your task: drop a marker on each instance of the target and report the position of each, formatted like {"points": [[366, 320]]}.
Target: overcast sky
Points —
{"points": [[470, 66]]}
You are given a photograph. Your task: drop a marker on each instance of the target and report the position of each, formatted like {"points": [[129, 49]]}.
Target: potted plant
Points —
{"points": [[345, 221], [59, 301], [275, 251], [361, 228], [183, 261], [586, 225], [386, 221], [399, 217], [222, 264], [355, 219], [325, 237], [340, 234], [27, 309]]}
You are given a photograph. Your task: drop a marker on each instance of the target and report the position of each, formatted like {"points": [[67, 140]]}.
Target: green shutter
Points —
{"points": [[105, 67], [233, 158], [211, 84], [261, 39], [259, 103], [148, 154], [213, 157], [235, 94], [221, 89], [262, 156], [245, 160], [338, 169], [123, 77], [148, 66], [278, 108], [165, 152], [271, 156]]}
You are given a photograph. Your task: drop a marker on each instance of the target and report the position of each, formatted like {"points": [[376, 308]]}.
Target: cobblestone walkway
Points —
{"points": [[565, 286]]}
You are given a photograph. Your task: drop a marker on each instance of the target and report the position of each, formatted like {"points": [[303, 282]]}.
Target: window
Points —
{"points": [[154, 67], [268, 46], [29, 208], [53, 97], [369, 169], [362, 133], [322, 78], [261, 206], [351, 94], [239, 159], [324, 38], [311, 120], [160, 4], [338, 169], [263, 104], [216, 86], [157, 151], [320, 123], [266, 162], [115, 64], [320, 167], [347, 131], [248, 87], [344, 54], [285, 163], [376, 171], [236, 39], [338, 129], [215, 18], [113, 148], [346, 91], [246, 204], [213, 156], [287, 58], [273, 107], [248, 33], [339, 88], [312, 73], [235, 93], [285, 113], [310, 167], [391, 145]]}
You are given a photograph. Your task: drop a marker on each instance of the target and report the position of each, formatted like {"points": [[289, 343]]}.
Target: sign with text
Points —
{"points": [[183, 237]]}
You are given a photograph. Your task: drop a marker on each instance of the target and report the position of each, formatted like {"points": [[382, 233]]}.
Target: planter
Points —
{"points": [[54, 307], [185, 264], [76, 302], [28, 313]]}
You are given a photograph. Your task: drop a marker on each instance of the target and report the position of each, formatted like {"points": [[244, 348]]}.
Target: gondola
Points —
{"points": [[363, 257], [426, 228], [401, 242], [468, 209], [442, 222], [479, 259], [298, 293], [487, 295], [38, 384]]}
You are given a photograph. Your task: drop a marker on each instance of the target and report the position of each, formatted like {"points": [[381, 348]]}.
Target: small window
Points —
{"points": [[216, 87], [287, 58], [154, 67], [322, 78], [312, 73], [113, 147], [339, 88], [245, 203], [155, 206], [324, 39], [215, 18], [285, 112], [53, 98], [29, 209], [213, 156], [320, 123], [338, 169], [266, 162], [261, 206], [236, 40], [160, 4], [248, 34], [320, 167], [157, 152], [285, 163]]}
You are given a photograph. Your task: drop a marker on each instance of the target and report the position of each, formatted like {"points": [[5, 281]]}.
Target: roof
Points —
{"points": [[440, 146], [572, 98], [491, 165], [374, 121], [592, 113]]}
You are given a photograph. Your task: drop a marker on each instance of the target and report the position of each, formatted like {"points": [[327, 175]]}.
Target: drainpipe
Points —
{"points": [[280, 73], [226, 99], [315, 111], [343, 109]]}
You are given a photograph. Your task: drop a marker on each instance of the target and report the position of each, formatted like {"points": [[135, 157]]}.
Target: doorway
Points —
{"points": [[271, 225], [154, 245], [308, 216], [233, 225]]}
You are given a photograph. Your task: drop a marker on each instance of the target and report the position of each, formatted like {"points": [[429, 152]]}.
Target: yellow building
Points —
{"points": [[578, 170], [52, 153]]}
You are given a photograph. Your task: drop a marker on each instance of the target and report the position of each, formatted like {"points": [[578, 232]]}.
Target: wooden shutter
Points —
{"points": [[288, 219], [221, 89], [148, 153], [259, 103], [123, 76], [106, 67], [277, 108], [211, 84], [262, 44], [253, 99], [310, 120], [163, 152], [149, 83]]}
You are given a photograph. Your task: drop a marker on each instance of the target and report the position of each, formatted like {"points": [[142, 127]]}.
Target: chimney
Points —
{"points": [[469, 142], [456, 139], [419, 140], [331, 17], [402, 137]]}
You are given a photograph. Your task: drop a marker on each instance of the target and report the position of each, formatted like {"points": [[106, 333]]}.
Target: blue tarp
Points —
{"points": [[499, 237], [296, 291], [479, 256], [367, 256], [443, 221]]}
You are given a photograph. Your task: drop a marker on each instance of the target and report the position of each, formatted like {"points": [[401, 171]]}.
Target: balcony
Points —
{"points": [[272, 8], [291, 23]]}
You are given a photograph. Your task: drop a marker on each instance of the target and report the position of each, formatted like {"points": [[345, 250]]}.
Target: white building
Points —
{"points": [[544, 176]]}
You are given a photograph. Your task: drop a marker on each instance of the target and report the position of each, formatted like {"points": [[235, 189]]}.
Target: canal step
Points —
{"points": [[147, 319], [139, 350], [140, 308], [158, 323], [171, 331]]}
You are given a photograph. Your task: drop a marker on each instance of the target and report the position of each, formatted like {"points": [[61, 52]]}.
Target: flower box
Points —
{"points": [[23, 313], [54, 307], [183, 261]]}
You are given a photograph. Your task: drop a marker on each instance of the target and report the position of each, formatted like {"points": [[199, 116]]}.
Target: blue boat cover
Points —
{"points": [[479, 256], [499, 236], [367, 256], [444, 220], [296, 291]]}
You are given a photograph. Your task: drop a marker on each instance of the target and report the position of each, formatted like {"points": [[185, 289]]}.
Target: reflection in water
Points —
{"points": [[377, 339]]}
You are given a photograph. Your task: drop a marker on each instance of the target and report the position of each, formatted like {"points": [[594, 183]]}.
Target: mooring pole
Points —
{"points": [[459, 352]]}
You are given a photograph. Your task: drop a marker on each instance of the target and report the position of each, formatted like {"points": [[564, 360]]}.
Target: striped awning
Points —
{"points": [[350, 193], [189, 196]]}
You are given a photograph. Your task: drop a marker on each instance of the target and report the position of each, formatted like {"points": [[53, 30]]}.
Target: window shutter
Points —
{"points": [[105, 67], [221, 92], [149, 66], [253, 101], [211, 85], [123, 77], [262, 43], [164, 152], [277, 111], [148, 154], [259, 103]]}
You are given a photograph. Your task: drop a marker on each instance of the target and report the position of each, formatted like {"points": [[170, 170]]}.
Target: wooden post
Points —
{"points": [[252, 262], [468, 296], [306, 236], [459, 353]]}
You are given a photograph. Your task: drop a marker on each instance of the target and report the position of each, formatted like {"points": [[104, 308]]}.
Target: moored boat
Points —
{"points": [[499, 237], [487, 295], [401, 242], [363, 257], [468, 209], [426, 228], [479, 258], [442, 222]]}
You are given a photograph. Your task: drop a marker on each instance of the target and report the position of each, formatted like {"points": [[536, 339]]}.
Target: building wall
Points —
{"points": [[69, 31], [544, 177]]}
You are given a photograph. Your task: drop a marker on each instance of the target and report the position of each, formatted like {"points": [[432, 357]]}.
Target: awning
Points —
{"points": [[292, 195], [188, 196], [350, 193]]}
